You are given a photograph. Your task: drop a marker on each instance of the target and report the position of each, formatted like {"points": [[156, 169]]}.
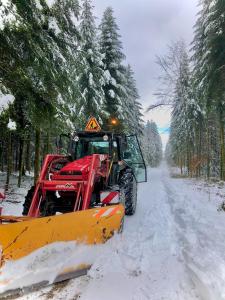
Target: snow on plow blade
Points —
{"points": [[25, 239]]}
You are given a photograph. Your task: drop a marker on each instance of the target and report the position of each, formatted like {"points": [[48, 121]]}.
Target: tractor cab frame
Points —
{"points": [[124, 151]]}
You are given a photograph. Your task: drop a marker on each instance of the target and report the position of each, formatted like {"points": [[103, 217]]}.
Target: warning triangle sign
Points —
{"points": [[93, 125]]}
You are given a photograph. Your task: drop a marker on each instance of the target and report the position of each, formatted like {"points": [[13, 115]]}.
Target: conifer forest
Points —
{"points": [[196, 74], [58, 68]]}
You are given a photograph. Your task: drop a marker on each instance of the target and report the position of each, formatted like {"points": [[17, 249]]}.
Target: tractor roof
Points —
{"points": [[98, 134]]}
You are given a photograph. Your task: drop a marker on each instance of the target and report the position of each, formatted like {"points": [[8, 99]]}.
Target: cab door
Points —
{"points": [[134, 158]]}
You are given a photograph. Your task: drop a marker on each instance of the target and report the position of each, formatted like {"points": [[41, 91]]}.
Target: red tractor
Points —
{"points": [[99, 169]]}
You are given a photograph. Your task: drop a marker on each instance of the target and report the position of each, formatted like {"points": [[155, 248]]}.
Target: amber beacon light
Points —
{"points": [[114, 121]]}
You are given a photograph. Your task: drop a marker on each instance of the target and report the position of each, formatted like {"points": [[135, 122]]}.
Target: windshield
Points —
{"points": [[86, 147]]}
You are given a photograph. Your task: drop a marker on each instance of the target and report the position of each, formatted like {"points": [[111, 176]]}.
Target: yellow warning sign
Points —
{"points": [[93, 125]]}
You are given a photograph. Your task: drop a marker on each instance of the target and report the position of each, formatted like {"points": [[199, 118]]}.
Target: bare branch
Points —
{"points": [[170, 65], [153, 106]]}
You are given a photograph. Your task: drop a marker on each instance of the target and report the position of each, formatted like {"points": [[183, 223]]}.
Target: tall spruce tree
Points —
{"points": [[91, 74], [186, 113], [152, 145], [215, 40], [208, 58], [37, 54], [111, 49], [133, 117]]}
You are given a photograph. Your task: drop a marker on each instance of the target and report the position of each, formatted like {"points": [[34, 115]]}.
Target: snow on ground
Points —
{"points": [[173, 248], [13, 203], [44, 264]]}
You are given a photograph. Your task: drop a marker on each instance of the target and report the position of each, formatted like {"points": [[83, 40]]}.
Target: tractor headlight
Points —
{"points": [[105, 138], [76, 138]]}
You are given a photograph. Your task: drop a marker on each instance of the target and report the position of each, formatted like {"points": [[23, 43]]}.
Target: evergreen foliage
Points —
{"points": [[197, 140], [130, 105], [111, 50], [59, 68], [152, 145], [91, 77]]}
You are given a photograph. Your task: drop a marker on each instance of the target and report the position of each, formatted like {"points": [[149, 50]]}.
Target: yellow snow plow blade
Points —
{"points": [[26, 235], [91, 226]]}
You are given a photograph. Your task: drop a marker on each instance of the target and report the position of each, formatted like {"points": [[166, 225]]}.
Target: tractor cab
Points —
{"points": [[123, 150], [86, 143]]}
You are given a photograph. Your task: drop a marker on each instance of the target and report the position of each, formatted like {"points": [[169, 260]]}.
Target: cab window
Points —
{"points": [[133, 157]]}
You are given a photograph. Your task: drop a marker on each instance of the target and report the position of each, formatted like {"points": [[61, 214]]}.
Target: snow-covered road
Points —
{"points": [[173, 248]]}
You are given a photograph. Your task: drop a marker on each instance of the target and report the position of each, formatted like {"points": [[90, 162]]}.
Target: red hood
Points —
{"points": [[81, 165]]}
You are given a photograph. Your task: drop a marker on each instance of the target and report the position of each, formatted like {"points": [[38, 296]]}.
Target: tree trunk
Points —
{"points": [[222, 151], [21, 161], [188, 160], [199, 151], [16, 167], [46, 149], [9, 161], [48, 143], [37, 154], [28, 154], [181, 166], [208, 149], [2, 157]]}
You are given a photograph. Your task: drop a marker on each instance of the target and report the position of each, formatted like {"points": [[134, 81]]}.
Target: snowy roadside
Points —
{"points": [[13, 204], [213, 188], [173, 248]]}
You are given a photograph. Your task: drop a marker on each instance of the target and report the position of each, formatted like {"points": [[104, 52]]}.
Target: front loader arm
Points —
{"points": [[96, 169], [99, 166], [34, 210]]}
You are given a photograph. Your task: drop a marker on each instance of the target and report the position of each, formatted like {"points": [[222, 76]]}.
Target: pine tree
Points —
{"points": [[152, 145], [215, 41], [37, 54], [111, 49], [91, 75], [208, 58], [131, 106], [61, 22], [186, 115]]}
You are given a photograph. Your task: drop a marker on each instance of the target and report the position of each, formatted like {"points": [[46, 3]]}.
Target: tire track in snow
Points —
{"points": [[183, 242], [192, 237]]}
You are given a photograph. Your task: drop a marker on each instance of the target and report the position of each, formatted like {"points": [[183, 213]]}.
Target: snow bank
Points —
{"points": [[5, 100], [45, 264], [13, 204]]}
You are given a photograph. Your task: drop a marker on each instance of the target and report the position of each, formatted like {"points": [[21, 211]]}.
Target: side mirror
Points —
{"points": [[127, 155]]}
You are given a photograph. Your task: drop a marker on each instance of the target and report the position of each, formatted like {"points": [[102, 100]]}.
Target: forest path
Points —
{"points": [[173, 248]]}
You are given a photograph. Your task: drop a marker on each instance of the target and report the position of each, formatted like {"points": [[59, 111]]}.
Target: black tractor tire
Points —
{"points": [[27, 202], [48, 207], [128, 192]]}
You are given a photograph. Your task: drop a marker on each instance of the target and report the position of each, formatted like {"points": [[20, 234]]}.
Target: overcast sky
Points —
{"points": [[146, 28]]}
